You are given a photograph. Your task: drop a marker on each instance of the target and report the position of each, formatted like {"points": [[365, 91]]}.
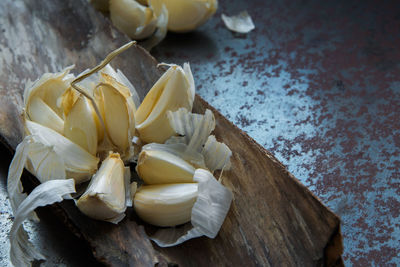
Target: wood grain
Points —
{"points": [[273, 220]]}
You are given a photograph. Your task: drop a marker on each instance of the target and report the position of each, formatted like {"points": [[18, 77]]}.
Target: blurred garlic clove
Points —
{"points": [[174, 90], [80, 125], [186, 15], [167, 204], [135, 20], [105, 197], [161, 167]]}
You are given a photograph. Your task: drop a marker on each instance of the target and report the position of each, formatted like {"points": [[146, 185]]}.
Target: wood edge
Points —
{"points": [[334, 249], [266, 153]]}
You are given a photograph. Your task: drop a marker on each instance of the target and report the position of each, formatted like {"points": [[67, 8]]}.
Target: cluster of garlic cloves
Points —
{"points": [[87, 128]]}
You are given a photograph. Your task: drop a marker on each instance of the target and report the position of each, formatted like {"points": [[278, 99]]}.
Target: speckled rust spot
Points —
{"points": [[323, 94]]}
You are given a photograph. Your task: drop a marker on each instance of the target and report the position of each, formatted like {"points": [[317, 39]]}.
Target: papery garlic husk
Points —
{"points": [[105, 197], [241, 23], [186, 15], [194, 131], [175, 89], [79, 164], [161, 167], [167, 204], [135, 20], [80, 125], [22, 251], [41, 99]]}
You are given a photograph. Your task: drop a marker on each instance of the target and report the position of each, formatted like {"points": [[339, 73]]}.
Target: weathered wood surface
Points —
{"points": [[273, 221]]}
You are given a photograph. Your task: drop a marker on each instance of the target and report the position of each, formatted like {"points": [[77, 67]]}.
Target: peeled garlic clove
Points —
{"points": [[161, 167], [186, 15], [167, 204], [132, 18], [105, 197], [48, 88], [207, 215], [41, 113], [172, 91], [80, 125]]}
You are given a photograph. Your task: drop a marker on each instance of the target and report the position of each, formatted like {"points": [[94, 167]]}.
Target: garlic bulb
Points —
{"points": [[175, 89], [105, 197], [130, 17], [186, 15]]}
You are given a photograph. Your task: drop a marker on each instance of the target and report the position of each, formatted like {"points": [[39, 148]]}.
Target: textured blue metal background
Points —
{"points": [[318, 84]]}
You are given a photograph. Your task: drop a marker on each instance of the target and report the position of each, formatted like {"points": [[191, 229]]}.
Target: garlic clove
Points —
{"points": [[132, 18], [41, 113], [186, 15], [80, 125], [171, 92], [48, 88], [118, 118], [167, 204], [161, 167], [105, 197]]}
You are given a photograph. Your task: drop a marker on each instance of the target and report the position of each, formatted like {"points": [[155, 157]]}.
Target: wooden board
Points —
{"points": [[273, 220]]}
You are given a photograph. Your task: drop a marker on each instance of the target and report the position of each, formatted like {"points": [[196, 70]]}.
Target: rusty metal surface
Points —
{"points": [[318, 84]]}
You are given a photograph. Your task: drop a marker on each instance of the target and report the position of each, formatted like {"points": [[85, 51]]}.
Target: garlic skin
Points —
{"points": [[132, 18], [167, 204], [186, 15], [105, 197], [79, 164], [174, 90], [161, 167]]}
